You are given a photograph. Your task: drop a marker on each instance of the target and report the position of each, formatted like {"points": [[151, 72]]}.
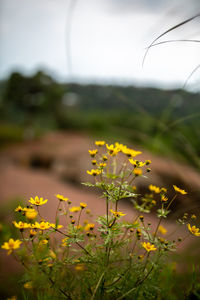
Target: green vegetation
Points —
{"points": [[166, 122], [110, 257]]}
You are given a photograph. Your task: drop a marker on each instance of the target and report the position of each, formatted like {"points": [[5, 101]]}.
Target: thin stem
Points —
{"points": [[53, 282], [132, 180], [39, 212], [157, 228], [107, 208], [75, 242], [57, 211], [184, 239], [25, 242], [146, 262], [79, 217], [137, 284], [20, 260], [171, 201], [97, 286], [134, 245], [113, 222]]}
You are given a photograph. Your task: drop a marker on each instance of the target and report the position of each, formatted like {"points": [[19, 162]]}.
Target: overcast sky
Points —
{"points": [[100, 40]]}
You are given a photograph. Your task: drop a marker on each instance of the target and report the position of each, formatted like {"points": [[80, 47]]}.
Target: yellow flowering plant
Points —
{"points": [[112, 257]]}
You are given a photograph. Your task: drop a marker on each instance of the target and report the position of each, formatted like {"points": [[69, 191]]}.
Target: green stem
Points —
{"points": [[57, 211], [79, 217], [75, 242], [39, 212], [171, 201], [97, 286], [134, 245], [107, 208], [157, 228], [53, 282], [137, 284], [146, 262]]}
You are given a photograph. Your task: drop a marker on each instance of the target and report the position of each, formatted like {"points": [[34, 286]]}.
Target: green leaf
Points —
{"points": [[88, 184], [162, 213]]}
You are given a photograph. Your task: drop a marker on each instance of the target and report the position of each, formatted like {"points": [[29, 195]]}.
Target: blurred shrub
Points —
{"points": [[165, 122], [10, 133]]}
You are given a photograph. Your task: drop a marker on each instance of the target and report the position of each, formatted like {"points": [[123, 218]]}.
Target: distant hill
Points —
{"points": [[164, 121]]}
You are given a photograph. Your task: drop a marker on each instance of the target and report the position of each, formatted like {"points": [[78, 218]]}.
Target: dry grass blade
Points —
{"points": [[70, 12], [174, 41], [195, 69], [167, 31]]}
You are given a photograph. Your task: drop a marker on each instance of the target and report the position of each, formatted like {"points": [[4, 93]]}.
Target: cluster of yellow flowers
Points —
{"points": [[34, 227], [111, 151], [104, 161]]}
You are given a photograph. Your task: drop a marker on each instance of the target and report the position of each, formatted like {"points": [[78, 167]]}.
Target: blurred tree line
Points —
{"points": [[164, 121]]}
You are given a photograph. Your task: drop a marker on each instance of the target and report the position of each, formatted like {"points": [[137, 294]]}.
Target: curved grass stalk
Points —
{"points": [[97, 286], [174, 41], [167, 31], [194, 70]]}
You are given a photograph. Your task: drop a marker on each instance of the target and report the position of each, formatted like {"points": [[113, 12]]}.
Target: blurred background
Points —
{"points": [[74, 71]]}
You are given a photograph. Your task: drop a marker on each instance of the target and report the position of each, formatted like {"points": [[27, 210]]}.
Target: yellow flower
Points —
{"points": [[61, 197], [93, 152], [42, 225], [37, 201], [56, 226], [43, 242], [21, 225], [52, 254], [79, 227], [137, 172], [83, 205], [89, 226], [94, 162], [12, 298], [112, 150], [193, 217], [28, 285], [147, 162], [104, 158], [136, 163], [19, 209], [154, 188], [79, 267], [164, 198], [94, 172], [11, 245], [179, 190], [140, 257], [194, 230], [75, 209], [100, 143], [162, 230], [117, 214], [102, 165], [148, 246], [130, 152], [64, 242], [163, 190], [31, 213], [32, 233]]}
